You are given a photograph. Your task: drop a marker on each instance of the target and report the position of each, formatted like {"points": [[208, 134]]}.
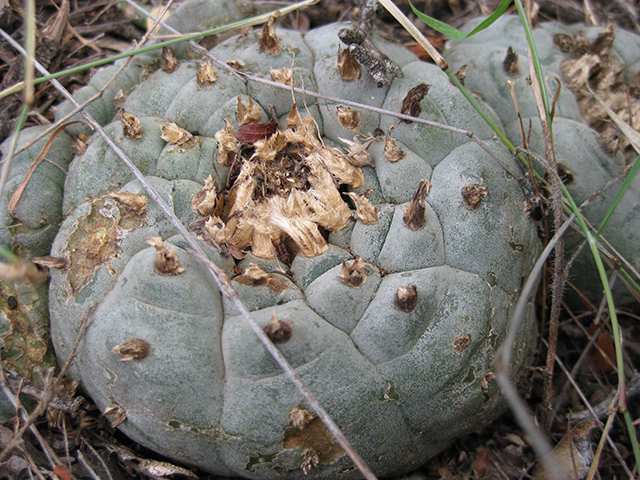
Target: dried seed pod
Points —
{"points": [[354, 274], [136, 349], [348, 67], [206, 75], [349, 118], [247, 112], [366, 212], [392, 151], [279, 331], [300, 417], [168, 61], [406, 298], [510, 63], [167, 262], [473, 195], [414, 212], [131, 126]]}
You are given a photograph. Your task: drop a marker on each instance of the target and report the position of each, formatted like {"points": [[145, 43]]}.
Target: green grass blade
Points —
{"points": [[454, 33], [627, 181]]}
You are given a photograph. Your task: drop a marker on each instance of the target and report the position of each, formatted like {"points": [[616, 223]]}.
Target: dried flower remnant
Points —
{"points": [[461, 343], [176, 135], [353, 274], [51, 262], [289, 189], [279, 331], [565, 174], [411, 102], [227, 145], [473, 195], [358, 154], [247, 112], [392, 151], [510, 62], [254, 275], [348, 67], [136, 349], [414, 212], [237, 64], [268, 40], [168, 61], [349, 118], [119, 414], [206, 75], [366, 212], [205, 200], [300, 417], [131, 126], [461, 74], [283, 75], [167, 261], [215, 227], [310, 460], [134, 202], [406, 298]]}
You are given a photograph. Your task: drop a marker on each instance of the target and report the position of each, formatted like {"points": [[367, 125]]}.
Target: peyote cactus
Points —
{"points": [[386, 274], [580, 57]]}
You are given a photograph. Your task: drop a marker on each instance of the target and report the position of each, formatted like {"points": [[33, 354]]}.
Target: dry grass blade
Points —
{"points": [[15, 198]]}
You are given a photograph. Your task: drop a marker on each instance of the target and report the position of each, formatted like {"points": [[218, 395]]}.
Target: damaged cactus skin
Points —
{"points": [[567, 53], [394, 329]]}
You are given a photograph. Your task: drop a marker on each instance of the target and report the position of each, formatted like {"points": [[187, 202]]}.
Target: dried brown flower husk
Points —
{"points": [[268, 40], [205, 200], [176, 135], [119, 414], [283, 75], [406, 298], [348, 67], [215, 227], [168, 61], [414, 212], [300, 417], [366, 212], [227, 145], [136, 349], [135, 202], [279, 331], [392, 151], [131, 126], [411, 102], [358, 154], [353, 274], [349, 118], [167, 261], [510, 62], [206, 75], [247, 112], [473, 195]]}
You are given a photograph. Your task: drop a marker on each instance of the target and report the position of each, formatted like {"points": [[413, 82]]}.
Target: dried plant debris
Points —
{"points": [[414, 212], [510, 63], [269, 41], [406, 298], [473, 195], [254, 275], [205, 200], [252, 132], [358, 154], [365, 211], [411, 102], [392, 151], [286, 190], [594, 76], [206, 75], [283, 75], [131, 126], [227, 145], [119, 414], [349, 118], [461, 343], [353, 274], [279, 331], [136, 349], [247, 112], [461, 74], [176, 135], [167, 261], [300, 417], [348, 67], [168, 61]]}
